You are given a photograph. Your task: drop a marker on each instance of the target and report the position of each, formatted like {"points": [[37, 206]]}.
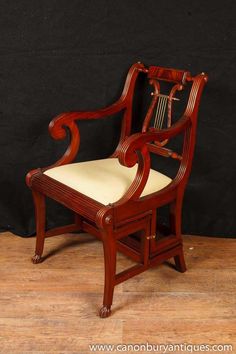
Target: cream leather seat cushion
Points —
{"points": [[105, 181]]}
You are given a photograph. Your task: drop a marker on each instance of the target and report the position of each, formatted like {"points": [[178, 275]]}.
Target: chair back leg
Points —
{"points": [[175, 226], [180, 262]]}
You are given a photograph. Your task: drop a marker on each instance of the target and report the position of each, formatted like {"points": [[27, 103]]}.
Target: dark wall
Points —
{"points": [[60, 55]]}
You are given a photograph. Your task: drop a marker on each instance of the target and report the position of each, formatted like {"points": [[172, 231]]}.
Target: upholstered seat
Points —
{"points": [[105, 181]]}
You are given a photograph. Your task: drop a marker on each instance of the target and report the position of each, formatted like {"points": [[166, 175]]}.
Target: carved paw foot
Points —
{"points": [[36, 259], [105, 311]]}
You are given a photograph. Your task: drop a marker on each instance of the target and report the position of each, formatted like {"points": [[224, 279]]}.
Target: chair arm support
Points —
{"points": [[58, 125]]}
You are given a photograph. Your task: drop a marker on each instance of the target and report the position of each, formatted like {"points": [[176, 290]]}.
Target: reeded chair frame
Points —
{"points": [[114, 223]]}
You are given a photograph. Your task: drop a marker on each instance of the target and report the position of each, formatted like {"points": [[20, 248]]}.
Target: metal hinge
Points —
{"points": [[151, 237]]}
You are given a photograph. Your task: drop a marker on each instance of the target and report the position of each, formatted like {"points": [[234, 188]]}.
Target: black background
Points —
{"points": [[58, 56]]}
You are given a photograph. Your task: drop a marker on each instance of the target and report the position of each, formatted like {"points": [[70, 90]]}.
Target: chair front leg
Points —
{"points": [[109, 248], [40, 213]]}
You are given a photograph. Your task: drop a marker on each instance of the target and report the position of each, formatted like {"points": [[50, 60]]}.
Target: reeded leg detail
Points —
{"points": [[39, 203]]}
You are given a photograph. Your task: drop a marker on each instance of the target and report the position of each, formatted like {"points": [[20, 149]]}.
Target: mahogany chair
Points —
{"points": [[116, 199]]}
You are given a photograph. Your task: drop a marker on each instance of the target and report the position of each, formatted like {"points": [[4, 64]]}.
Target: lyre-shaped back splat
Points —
{"points": [[179, 79], [164, 108], [160, 112]]}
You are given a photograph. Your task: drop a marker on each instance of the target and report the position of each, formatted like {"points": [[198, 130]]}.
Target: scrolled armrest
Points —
{"points": [[134, 150], [57, 128], [136, 142], [58, 124]]}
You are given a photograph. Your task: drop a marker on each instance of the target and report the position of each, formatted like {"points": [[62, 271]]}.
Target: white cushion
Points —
{"points": [[105, 181]]}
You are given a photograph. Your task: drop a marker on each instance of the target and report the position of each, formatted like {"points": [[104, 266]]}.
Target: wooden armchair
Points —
{"points": [[116, 199]]}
